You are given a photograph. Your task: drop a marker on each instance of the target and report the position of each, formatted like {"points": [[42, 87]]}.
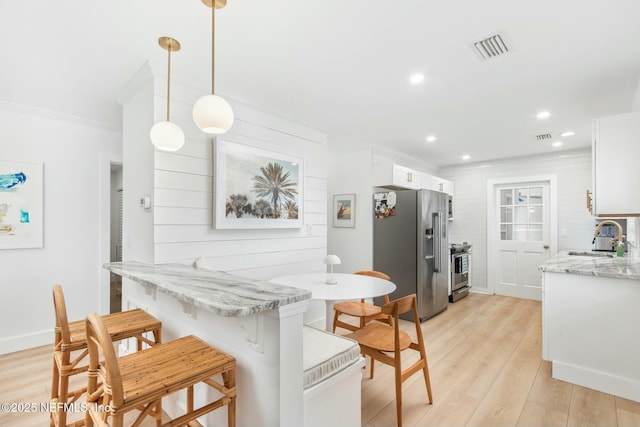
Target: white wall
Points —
{"points": [[70, 148], [183, 192], [573, 169], [138, 166], [351, 173], [635, 106]]}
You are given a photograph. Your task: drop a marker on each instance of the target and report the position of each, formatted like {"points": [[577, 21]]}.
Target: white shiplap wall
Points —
{"points": [[470, 193], [184, 194]]}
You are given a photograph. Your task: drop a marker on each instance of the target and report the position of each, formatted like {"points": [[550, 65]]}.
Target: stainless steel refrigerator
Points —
{"points": [[410, 244]]}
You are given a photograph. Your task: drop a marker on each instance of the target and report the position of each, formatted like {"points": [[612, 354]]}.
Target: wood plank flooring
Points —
{"points": [[485, 364], [486, 370]]}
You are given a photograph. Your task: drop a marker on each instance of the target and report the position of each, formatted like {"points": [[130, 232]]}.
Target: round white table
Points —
{"points": [[349, 287]]}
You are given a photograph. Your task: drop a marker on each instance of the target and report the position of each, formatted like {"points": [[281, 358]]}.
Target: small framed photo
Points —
{"points": [[344, 210]]}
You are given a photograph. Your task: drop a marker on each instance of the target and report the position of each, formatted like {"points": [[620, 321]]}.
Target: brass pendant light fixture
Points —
{"points": [[211, 113], [165, 135]]}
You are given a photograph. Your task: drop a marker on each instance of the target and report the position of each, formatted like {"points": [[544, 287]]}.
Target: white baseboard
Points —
{"points": [[602, 381], [24, 342]]}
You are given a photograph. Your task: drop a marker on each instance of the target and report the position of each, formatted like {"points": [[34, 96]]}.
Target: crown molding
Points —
{"points": [[143, 76], [56, 115]]}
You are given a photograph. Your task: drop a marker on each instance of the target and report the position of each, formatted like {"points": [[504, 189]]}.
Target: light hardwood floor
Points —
{"points": [[485, 364], [486, 370]]}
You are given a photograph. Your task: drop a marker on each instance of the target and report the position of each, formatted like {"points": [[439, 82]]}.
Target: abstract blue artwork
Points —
{"points": [[21, 211]]}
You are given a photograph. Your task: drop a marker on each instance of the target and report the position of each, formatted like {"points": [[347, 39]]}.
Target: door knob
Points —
{"points": [[546, 246]]}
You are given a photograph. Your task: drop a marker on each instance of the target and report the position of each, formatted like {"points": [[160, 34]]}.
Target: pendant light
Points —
{"points": [[165, 135], [211, 113]]}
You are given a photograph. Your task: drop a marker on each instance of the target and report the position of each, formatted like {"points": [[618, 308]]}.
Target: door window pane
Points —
{"points": [[506, 196], [520, 232], [535, 195], [506, 214], [521, 214], [506, 232], [535, 214], [522, 196]]}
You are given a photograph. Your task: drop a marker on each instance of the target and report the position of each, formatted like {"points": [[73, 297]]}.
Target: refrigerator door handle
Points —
{"points": [[436, 246]]}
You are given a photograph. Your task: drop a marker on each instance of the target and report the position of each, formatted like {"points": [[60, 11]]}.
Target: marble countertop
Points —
{"points": [[222, 293], [587, 265]]}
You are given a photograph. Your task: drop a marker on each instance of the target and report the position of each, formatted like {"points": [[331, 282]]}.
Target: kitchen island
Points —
{"points": [[257, 322], [591, 321]]}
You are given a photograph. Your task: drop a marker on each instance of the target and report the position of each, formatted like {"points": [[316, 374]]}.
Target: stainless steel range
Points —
{"points": [[459, 271]]}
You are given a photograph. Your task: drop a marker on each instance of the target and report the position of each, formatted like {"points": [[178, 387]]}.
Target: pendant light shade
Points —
{"points": [[211, 113], [165, 135]]}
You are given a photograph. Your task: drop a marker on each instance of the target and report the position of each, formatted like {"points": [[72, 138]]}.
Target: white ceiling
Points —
{"points": [[343, 65]]}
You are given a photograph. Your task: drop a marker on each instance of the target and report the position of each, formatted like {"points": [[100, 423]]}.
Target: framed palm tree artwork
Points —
{"points": [[257, 188]]}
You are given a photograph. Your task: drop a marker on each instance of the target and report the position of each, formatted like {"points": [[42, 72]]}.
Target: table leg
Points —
{"points": [[329, 315]]}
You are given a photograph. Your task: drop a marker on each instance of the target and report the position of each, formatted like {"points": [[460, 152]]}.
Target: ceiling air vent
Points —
{"points": [[543, 137], [491, 47]]}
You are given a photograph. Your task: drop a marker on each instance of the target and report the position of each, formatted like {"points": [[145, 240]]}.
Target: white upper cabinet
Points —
{"points": [[396, 177], [616, 165], [440, 184]]}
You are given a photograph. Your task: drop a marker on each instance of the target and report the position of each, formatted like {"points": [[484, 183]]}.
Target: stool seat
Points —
{"points": [[123, 325], [140, 380], [153, 373], [70, 349]]}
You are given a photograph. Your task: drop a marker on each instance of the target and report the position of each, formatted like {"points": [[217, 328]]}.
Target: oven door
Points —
{"points": [[460, 273]]}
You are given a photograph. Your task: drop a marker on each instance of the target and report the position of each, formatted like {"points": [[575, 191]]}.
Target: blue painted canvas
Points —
{"points": [[21, 208]]}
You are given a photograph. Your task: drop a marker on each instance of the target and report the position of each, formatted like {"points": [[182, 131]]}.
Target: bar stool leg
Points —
{"points": [[229, 379], [54, 390], [62, 399]]}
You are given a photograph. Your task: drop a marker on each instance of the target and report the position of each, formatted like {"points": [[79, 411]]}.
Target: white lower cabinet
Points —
{"points": [[590, 331]]}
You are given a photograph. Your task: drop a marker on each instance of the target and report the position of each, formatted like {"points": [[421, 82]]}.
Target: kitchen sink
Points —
{"points": [[593, 254]]}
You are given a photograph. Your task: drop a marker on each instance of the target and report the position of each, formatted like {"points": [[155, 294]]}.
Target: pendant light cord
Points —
{"points": [[168, 78], [213, 46]]}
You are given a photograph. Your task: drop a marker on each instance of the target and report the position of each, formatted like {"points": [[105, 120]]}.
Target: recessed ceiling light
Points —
{"points": [[557, 143], [568, 133], [416, 78], [431, 138], [543, 115], [466, 157]]}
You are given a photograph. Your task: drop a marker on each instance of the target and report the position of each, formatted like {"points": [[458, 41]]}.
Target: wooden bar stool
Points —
{"points": [[71, 339], [140, 380]]}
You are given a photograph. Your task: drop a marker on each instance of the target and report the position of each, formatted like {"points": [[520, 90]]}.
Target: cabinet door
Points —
{"points": [[438, 184], [616, 150], [442, 185], [405, 177]]}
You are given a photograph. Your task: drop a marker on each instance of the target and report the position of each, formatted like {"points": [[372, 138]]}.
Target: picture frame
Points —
{"points": [[245, 178], [21, 204], [344, 210]]}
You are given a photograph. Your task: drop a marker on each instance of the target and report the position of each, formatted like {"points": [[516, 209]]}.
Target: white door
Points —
{"points": [[523, 224]]}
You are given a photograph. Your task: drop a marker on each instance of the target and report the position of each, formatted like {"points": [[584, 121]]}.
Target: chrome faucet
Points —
{"points": [[607, 221]]}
